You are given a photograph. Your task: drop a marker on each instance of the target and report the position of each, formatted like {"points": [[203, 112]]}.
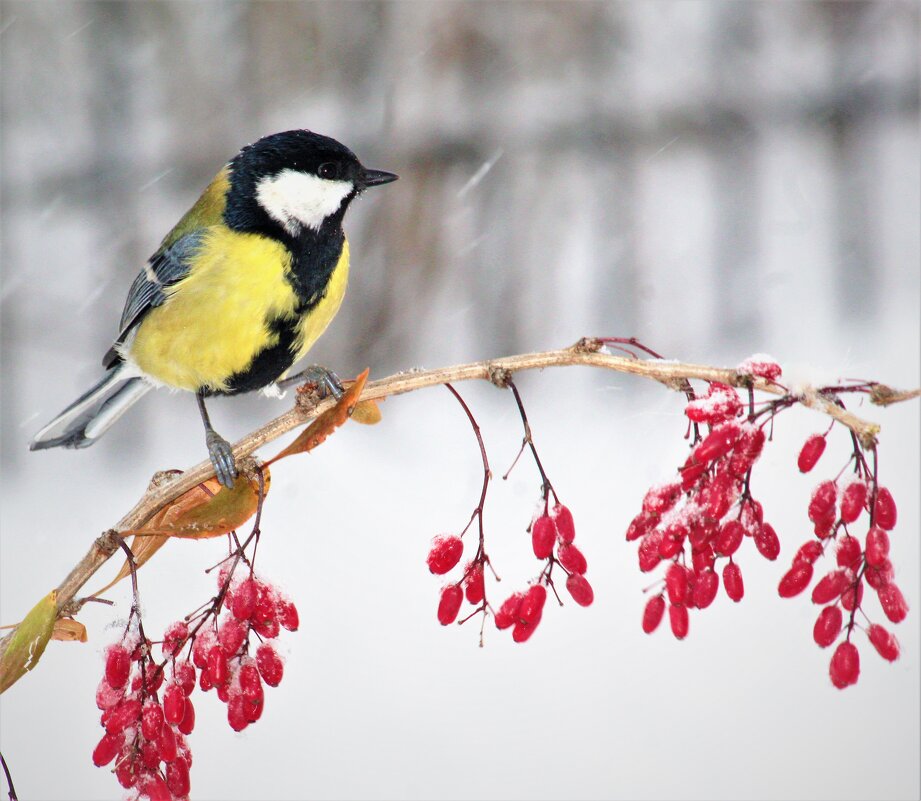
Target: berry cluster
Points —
{"points": [[706, 513], [835, 509], [146, 728]]}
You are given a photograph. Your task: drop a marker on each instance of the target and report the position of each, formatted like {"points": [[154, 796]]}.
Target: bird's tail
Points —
{"points": [[90, 416]]}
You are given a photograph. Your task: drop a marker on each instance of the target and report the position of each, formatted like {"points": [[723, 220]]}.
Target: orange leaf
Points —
{"points": [[68, 630], [367, 413], [317, 432]]}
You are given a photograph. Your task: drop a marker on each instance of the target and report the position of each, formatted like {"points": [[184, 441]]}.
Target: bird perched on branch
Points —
{"points": [[238, 291]]}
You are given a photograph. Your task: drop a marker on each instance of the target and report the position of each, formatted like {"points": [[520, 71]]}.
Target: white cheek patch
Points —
{"points": [[297, 199]]}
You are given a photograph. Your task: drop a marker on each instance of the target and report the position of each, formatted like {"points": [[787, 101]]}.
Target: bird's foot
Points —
{"points": [[225, 468], [326, 380]]}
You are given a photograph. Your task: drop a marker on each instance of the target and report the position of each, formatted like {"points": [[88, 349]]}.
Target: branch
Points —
{"points": [[587, 352]]}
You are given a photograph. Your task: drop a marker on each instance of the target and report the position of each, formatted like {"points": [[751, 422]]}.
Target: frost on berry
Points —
{"points": [[822, 504], [508, 612], [717, 443], [543, 536], [678, 618], [852, 596], [729, 537], [658, 500], [639, 526], [705, 589], [852, 501], [877, 546], [848, 553], [184, 673], [795, 580], [580, 590], [767, 542], [721, 403], [288, 617], [108, 696], [119, 717], [152, 720], [446, 552], [177, 777], [565, 526], [845, 665], [732, 582], [761, 366], [676, 582], [230, 635], [831, 586], [893, 602], [174, 702], [269, 665], [885, 643], [811, 452], [808, 552], [217, 666], [532, 604], [885, 515], [174, 638], [244, 599], [118, 666], [571, 558], [449, 605], [827, 626], [166, 744]]}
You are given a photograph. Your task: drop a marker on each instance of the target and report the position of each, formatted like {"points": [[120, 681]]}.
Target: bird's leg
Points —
{"points": [[219, 449], [326, 380]]}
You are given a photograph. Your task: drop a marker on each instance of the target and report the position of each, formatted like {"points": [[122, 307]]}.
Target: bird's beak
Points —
{"points": [[376, 177]]}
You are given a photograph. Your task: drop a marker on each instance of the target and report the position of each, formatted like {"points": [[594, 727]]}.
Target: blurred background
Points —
{"points": [[716, 178]]}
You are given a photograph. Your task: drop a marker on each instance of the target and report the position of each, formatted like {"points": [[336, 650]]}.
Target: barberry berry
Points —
{"points": [[732, 582], [580, 590], [652, 613], [543, 536], [845, 665], [886, 513], [827, 626], [449, 605], [795, 579], [811, 452], [564, 522], [885, 643], [445, 554]]}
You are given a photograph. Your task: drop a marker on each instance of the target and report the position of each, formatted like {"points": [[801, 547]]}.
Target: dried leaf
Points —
{"points": [[28, 642], [367, 412], [69, 630], [317, 432]]}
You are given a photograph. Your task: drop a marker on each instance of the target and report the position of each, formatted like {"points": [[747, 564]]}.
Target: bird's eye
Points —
{"points": [[328, 170]]}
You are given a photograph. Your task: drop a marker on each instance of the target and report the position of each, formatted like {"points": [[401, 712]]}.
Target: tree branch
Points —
{"points": [[587, 352]]}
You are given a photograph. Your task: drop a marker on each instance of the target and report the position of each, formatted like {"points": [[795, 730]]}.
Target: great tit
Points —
{"points": [[238, 291]]}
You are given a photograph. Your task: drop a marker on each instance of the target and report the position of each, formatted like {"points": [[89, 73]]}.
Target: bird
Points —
{"points": [[238, 291]]}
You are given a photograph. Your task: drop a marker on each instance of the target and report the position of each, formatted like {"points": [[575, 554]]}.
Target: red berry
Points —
{"points": [[795, 580], [150, 755], [722, 403], [877, 546], [174, 638], [676, 582], [204, 641], [543, 536], [580, 590], [747, 451], [107, 748], [174, 701], [751, 516], [831, 586], [445, 554], [253, 694], [671, 541], [852, 596], [845, 665], [852, 501], [564, 523], [188, 718], [639, 526], [886, 514], [107, 696], [691, 472], [848, 554], [166, 744], [702, 559], [532, 604], [270, 666], [678, 618], [732, 582], [236, 713], [878, 577], [767, 543], [893, 603], [217, 666], [265, 615], [808, 552], [705, 589], [648, 552], [244, 600], [508, 612], [761, 366], [522, 631], [660, 499], [452, 597], [811, 452], [152, 720], [287, 615], [177, 777], [231, 635], [721, 494], [729, 538], [125, 772], [116, 719], [717, 443], [884, 642], [822, 503], [571, 558], [153, 785], [204, 680], [827, 626], [474, 584], [652, 613], [118, 666]]}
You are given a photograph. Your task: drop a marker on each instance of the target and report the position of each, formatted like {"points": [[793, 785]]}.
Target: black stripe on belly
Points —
{"points": [[269, 363]]}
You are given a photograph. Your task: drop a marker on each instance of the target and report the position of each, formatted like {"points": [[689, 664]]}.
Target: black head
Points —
{"points": [[295, 181]]}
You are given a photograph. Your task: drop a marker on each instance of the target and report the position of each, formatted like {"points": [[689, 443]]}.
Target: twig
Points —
{"points": [[586, 353], [9, 779]]}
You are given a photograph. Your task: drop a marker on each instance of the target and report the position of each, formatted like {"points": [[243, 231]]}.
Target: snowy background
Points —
{"points": [[715, 178]]}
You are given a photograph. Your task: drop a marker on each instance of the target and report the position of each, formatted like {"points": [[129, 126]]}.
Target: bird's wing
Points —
{"points": [[165, 268]]}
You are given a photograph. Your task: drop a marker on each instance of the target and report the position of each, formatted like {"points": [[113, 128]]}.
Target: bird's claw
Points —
{"points": [[326, 380], [225, 468]]}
